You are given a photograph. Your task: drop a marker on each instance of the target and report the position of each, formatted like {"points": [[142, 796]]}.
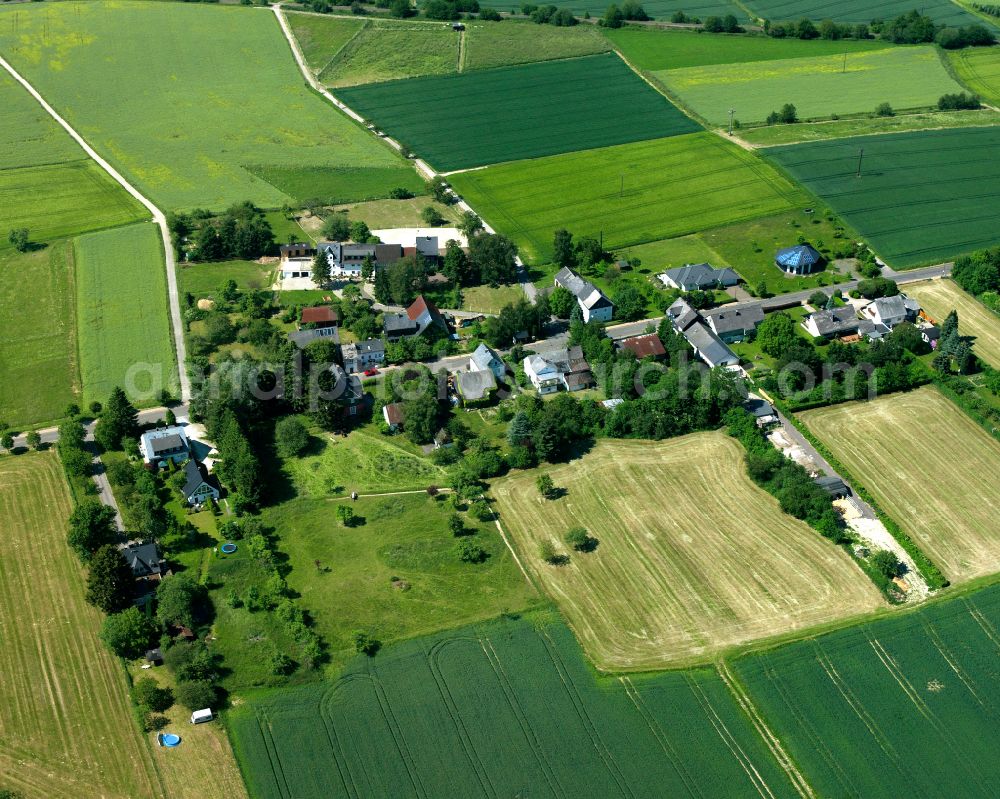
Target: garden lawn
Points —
{"points": [[200, 92], [462, 121], [503, 709], [922, 198], [395, 538], [905, 700], [772, 135], [123, 328], [818, 87], [630, 194], [942, 12], [932, 469], [691, 556], [38, 372], [940, 297], [979, 69], [387, 214], [66, 728], [653, 49]]}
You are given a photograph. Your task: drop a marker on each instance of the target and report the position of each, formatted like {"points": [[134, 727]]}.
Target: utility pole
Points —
{"points": [[731, 112], [861, 154], [845, 61]]}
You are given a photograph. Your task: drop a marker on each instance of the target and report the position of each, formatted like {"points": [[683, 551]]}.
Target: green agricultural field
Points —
{"points": [[819, 87], [29, 135], [504, 709], [652, 49], [122, 315], [201, 92], [489, 44], [772, 135], [461, 121], [909, 700], [943, 12], [338, 184], [691, 556], [979, 69], [931, 468], [631, 194], [922, 198], [659, 255], [940, 297], [396, 572], [67, 729], [320, 38], [664, 9], [38, 372]]}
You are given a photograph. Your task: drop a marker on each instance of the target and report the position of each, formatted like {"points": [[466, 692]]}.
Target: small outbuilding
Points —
{"points": [[802, 259], [834, 486], [154, 656], [201, 716]]}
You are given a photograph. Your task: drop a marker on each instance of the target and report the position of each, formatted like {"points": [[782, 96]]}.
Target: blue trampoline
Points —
{"points": [[228, 548]]}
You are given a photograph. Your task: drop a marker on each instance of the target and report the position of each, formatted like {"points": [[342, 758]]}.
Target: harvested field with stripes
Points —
{"points": [[941, 297], [931, 468], [691, 556]]}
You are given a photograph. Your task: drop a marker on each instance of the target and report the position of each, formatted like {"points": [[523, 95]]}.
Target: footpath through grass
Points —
{"points": [[818, 87], [631, 194], [462, 121], [124, 331], [200, 93], [502, 709], [923, 197]]}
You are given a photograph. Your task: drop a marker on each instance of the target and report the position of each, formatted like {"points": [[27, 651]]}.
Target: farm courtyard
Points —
{"points": [[691, 556]]}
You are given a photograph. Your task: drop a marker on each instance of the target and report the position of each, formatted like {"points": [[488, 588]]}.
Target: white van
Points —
{"points": [[200, 716]]}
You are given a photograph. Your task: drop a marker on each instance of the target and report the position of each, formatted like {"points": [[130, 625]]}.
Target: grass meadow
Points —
{"points": [[122, 314], [943, 12], [979, 69], [940, 297], [692, 557], [338, 184], [204, 280], [910, 700], [461, 121], [508, 708], [488, 44], [66, 730], [630, 194], [38, 369], [930, 467], [819, 87], [653, 50], [200, 93], [923, 197]]}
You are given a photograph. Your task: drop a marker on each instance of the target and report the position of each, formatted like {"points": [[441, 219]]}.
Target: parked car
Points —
{"points": [[370, 372]]}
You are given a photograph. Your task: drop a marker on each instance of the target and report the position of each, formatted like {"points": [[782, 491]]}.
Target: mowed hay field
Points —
{"points": [[692, 557], [940, 297], [931, 468], [38, 368], [942, 12], [200, 92], [823, 86], [923, 197], [900, 706], [656, 49], [124, 331], [631, 194], [507, 709], [462, 121], [979, 69], [65, 725]]}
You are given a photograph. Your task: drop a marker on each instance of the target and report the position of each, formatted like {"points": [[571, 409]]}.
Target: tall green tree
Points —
{"points": [[91, 526], [119, 420], [180, 601], [563, 251], [320, 269], [110, 582], [129, 633]]}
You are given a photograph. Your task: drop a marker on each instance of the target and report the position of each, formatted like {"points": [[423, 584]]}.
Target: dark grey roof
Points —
{"points": [[836, 320], [833, 486], [194, 475], [931, 332], [702, 276], [585, 291], [682, 315], [873, 330], [759, 407], [166, 443], [475, 385], [357, 251], [710, 348], [365, 347], [731, 319], [143, 559], [302, 338], [398, 324]]}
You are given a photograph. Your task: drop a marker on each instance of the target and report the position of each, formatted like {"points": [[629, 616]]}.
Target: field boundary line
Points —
{"points": [[517, 560], [158, 218], [341, 49], [770, 738]]}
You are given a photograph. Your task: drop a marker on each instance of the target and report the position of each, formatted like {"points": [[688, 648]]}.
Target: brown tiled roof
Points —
{"points": [[421, 304], [321, 313], [644, 346], [394, 413]]}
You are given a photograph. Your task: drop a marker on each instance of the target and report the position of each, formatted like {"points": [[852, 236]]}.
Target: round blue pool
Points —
{"points": [[228, 548]]}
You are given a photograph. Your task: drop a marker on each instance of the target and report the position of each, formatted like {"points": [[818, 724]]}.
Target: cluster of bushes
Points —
{"points": [[467, 547], [806, 29], [787, 115], [990, 10], [449, 9], [517, 318], [615, 16], [979, 274], [959, 102], [726, 24], [242, 231], [909, 28], [549, 15]]}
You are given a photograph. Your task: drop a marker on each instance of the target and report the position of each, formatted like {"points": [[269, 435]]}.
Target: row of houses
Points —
{"points": [[710, 333], [347, 259]]}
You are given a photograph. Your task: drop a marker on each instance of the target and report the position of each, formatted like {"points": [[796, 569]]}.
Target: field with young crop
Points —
{"points": [[940, 297], [664, 9], [922, 197], [505, 709], [653, 49], [691, 556], [906, 704], [65, 726], [488, 44], [123, 329], [979, 69], [489, 116], [943, 12], [818, 87], [931, 468], [630, 194], [201, 92], [338, 184]]}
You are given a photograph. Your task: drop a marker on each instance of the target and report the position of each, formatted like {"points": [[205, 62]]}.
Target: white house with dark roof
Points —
{"points": [[592, 301], [890, 311], [709, 347], [165, 444], [544, 375], [362, 355], [734, 323], [691, 277], [833, 322], [682, 315], [199, 487]]}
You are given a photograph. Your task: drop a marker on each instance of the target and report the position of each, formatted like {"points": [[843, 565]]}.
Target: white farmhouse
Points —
{"points": [[592, 301]]}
